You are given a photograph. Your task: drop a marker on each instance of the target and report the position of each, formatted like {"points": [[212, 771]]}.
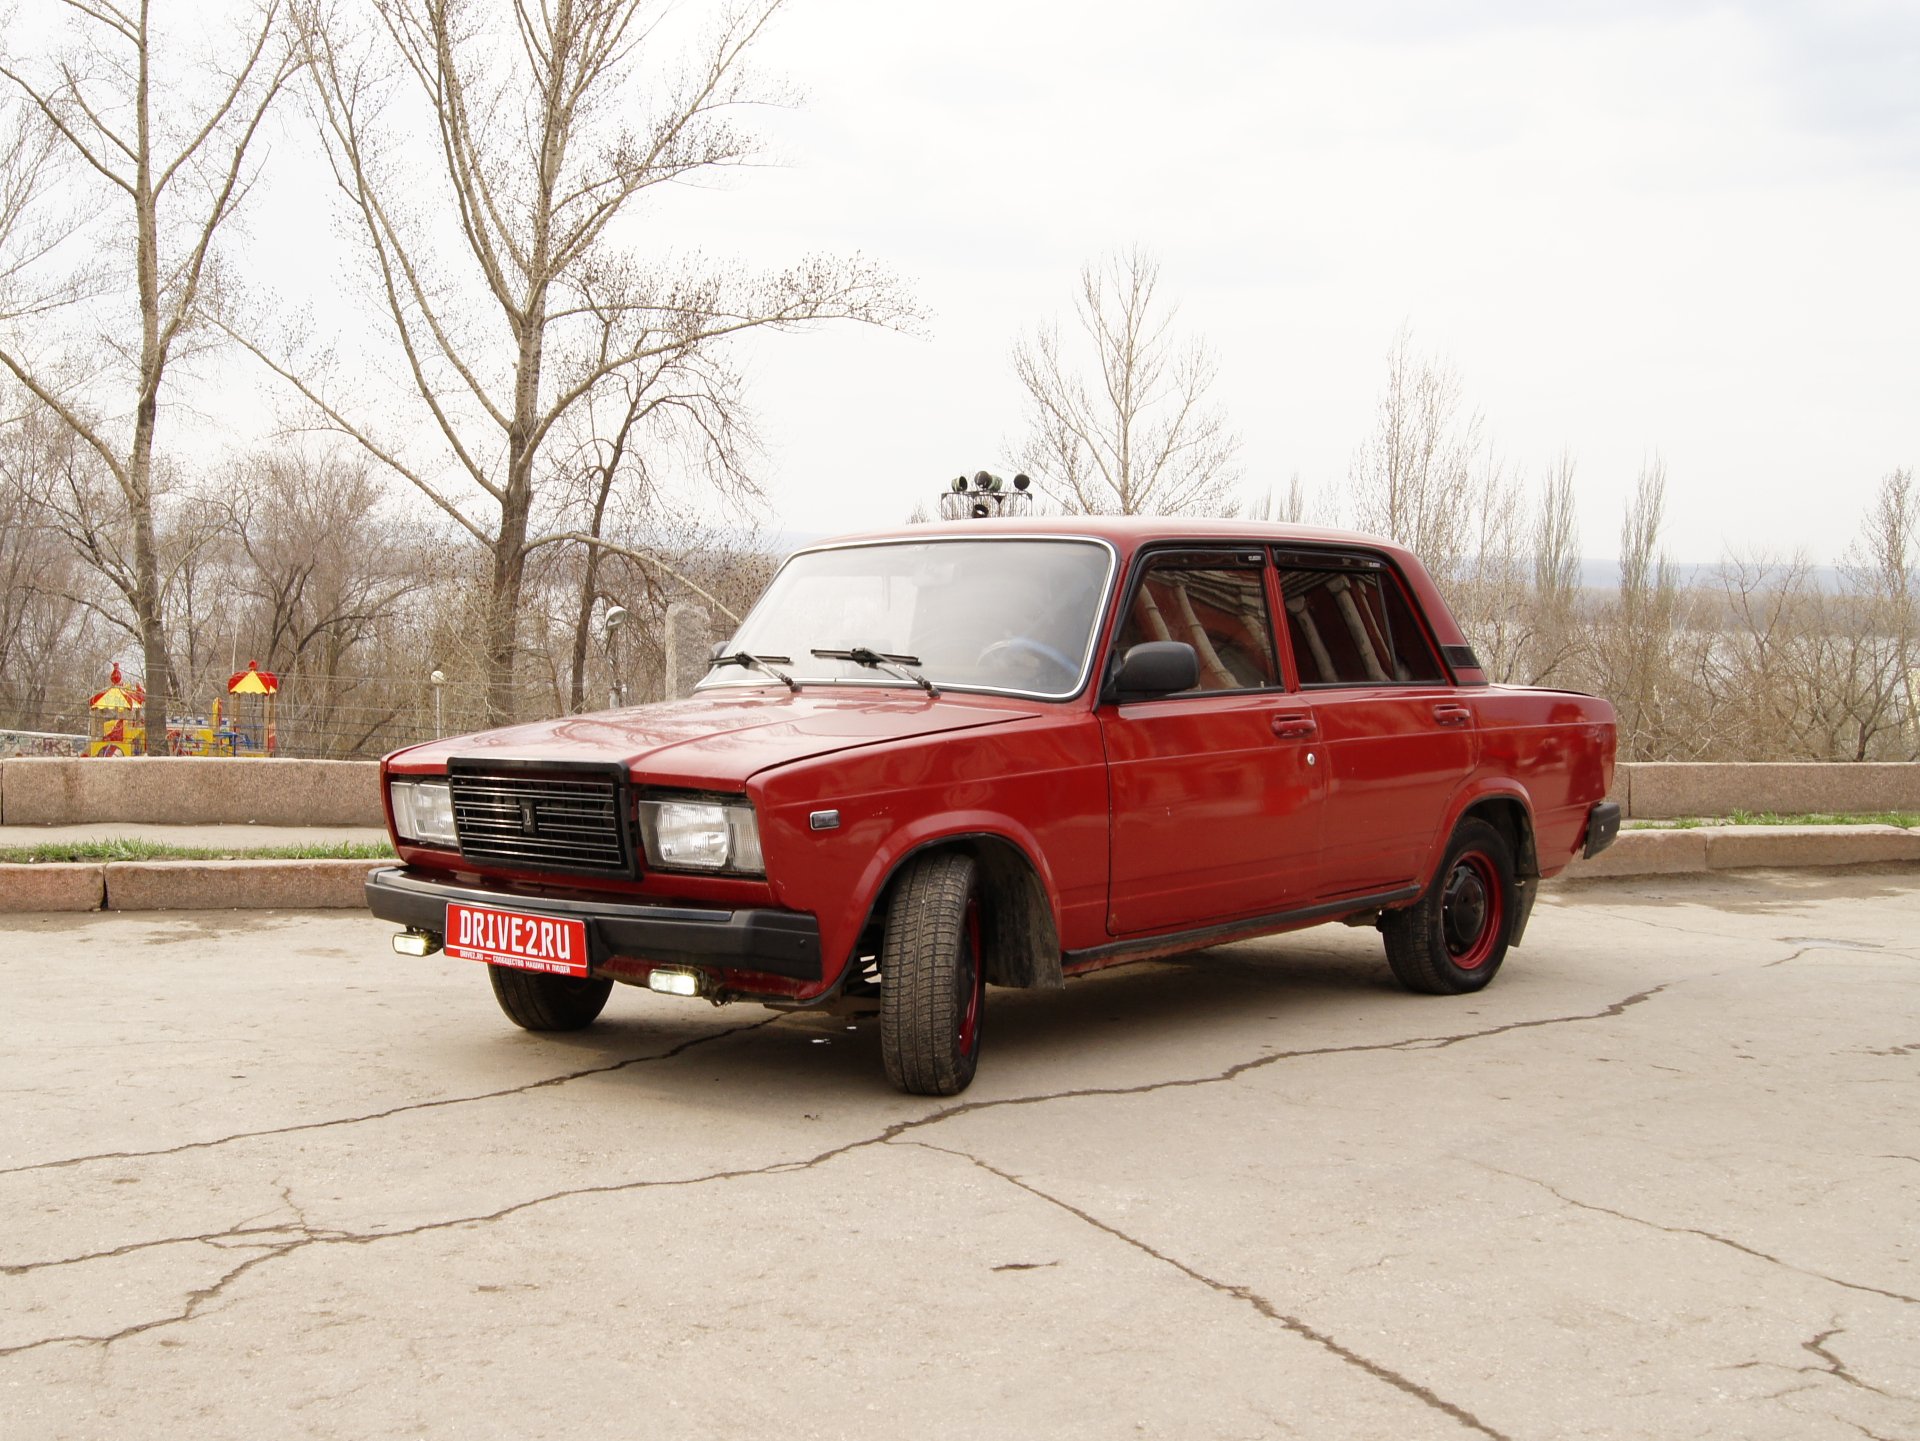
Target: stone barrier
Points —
{"points": [[189, 790], [1674, 790]]}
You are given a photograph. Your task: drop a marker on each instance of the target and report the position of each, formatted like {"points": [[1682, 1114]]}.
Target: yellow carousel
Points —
{"points": [[116, 720]]}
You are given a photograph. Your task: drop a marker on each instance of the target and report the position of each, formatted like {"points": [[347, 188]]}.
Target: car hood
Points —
{"points": [[720, 739]]}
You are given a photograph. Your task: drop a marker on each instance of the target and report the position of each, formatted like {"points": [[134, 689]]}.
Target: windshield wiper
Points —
{"points": [[759, 663], [893, 665]]}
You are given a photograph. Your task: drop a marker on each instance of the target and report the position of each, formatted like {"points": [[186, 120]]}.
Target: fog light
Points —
{"points": [[673, 983], [416, 943]]}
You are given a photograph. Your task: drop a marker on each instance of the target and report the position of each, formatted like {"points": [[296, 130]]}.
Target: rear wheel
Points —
{"points": [[1454, 937], [538, 1002], [932, 982]]}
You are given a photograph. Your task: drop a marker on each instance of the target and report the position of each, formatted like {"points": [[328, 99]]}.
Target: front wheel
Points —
{"points": [[1454, 937], [535, 1001], [932, 982]]}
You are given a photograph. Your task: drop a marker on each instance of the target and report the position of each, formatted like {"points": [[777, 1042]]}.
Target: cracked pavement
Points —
{"points": [[264, 1177]]}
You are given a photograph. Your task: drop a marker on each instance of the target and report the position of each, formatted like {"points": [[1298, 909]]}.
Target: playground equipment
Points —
{"points": [[246, 728], [251, 695], [115, 721]]}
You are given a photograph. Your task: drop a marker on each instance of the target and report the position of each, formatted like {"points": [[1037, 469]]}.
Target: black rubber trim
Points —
{"points": [[1160, 942], [775, 943], [1461, 657], [1526, 891], [1603, 825]]}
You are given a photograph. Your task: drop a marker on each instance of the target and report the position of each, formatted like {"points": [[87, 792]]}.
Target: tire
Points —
{"points": [[1452, 940], [538, 1002], [932, 982]]}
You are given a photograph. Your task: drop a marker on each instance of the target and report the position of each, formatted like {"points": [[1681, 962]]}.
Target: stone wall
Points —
{"points": [[1672, 790], [175, 790], [180, 790]]}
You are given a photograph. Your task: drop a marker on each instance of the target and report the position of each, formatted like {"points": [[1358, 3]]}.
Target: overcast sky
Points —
{"points": [[1665, 227], [1633, 228]]}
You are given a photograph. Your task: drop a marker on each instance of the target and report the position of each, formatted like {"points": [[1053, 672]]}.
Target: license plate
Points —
{"points": [[527, 943]]}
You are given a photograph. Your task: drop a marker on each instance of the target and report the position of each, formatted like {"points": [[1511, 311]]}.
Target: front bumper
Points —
{"points": [[770, 942]]}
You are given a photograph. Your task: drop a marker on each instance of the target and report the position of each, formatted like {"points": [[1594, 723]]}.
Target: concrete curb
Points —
{"points": [[291, 885], [237, 885], [58, 886], [1700, 849]]}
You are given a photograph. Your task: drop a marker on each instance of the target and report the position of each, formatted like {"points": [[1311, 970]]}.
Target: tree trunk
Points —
{"points": [[589, 587], [503, 614]]}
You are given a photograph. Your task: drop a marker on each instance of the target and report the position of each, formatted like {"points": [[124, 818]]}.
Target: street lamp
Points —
{"points": [[436, 680], [616, 618]]}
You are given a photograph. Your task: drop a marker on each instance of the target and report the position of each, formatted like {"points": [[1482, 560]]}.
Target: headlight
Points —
{"points": [[423, 811], [701, 836]]}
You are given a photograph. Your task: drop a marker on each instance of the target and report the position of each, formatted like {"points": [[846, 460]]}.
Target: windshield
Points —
{"points": [[1000, 615]]}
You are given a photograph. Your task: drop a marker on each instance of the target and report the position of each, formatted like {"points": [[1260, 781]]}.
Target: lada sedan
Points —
{"points": [[1005, 752]]}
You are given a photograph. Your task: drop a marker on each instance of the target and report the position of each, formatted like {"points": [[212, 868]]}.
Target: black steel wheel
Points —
{"points": [[932, 980], [1453, 939]]}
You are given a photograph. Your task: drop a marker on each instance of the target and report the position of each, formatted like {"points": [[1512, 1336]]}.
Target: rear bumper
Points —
{"points": [[1603, 825], [771, 942]]}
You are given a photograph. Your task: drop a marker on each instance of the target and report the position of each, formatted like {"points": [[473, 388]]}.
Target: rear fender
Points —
{"points": [[1507, 808]]}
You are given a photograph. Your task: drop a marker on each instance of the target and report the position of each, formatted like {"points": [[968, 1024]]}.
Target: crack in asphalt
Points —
{"points": [[1718, 1240], [189, 1309], [1834, 1367], [302, 1126], [1232, 1073], [307, 1237], [1246, 1294]]}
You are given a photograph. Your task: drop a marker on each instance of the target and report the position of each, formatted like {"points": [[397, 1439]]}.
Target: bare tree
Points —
{"points": [[1140, 438], [1413, 479], [1881, 570], [491, 158], [1637, 661], [1556, 575], [158, 138], [1293, 508]]}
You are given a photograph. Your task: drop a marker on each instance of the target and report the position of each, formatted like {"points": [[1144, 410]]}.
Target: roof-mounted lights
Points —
{"points": [[984, 496]]}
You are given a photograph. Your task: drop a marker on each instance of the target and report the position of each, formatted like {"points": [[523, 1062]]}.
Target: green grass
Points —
{"points": [[137, 850], [1906, 820]]}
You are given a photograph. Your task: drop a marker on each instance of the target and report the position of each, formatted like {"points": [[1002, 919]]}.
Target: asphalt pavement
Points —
{"points": [[262, 1177]]}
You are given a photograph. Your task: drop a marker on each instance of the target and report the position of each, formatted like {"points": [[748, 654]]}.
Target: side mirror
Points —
{"points": [[716, 650], [1156, 668]]}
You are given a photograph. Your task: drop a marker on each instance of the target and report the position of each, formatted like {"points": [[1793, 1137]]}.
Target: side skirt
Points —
{"points": [[1168, 943]]}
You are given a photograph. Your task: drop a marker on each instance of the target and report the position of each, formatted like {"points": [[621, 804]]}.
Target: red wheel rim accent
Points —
{"points": [[970, 980], [1472, 911]]}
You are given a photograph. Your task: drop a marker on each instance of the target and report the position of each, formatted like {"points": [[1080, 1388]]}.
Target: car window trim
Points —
{"points": [[1253, 556], [1285, 557]]}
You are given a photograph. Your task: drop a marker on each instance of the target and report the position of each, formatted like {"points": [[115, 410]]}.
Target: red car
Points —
{"points": [[1010, 751]]}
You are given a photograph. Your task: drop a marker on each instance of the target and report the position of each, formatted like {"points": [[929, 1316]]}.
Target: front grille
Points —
{"points": [[542, 818]]}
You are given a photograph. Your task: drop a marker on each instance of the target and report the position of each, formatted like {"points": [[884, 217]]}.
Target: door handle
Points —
{"points": [[1295, 727], [1452, 715]]}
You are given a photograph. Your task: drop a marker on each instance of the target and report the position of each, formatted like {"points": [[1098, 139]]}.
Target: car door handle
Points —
{"points": [[1295, 727], [1452, 715]]}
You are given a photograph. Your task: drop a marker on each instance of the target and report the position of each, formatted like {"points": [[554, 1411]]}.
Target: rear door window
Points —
{"points": [[1349, 623]]}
